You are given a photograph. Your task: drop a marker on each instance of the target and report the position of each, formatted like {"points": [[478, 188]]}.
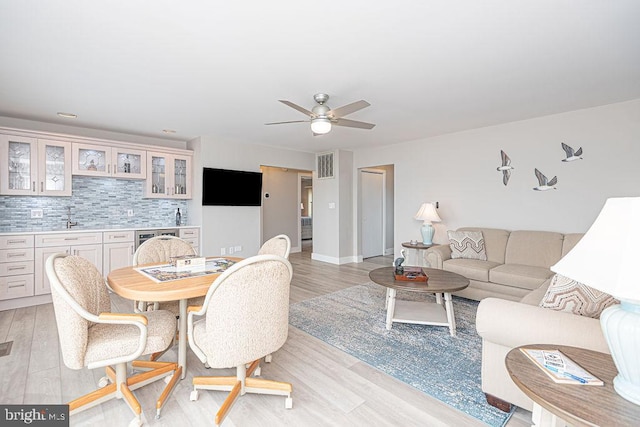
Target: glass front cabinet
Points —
{"points": [[169, 176], [30, 166], [97, 160]]}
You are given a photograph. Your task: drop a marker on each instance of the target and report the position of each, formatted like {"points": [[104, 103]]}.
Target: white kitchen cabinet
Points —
{"points": [[191, 235], [169, 176], [34, 167], [16, 266], [118, 249], [102, 160], [86, 245]]}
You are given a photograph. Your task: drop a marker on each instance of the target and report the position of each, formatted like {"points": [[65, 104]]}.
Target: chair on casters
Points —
{"points": [[279, 245], [156, 250], [92, 336], [246, 316]]}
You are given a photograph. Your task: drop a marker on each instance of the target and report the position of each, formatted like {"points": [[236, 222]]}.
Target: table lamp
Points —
{"points": [[606, 258], [428, 214]]}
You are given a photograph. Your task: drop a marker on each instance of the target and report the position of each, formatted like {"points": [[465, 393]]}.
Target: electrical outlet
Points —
{"points": [[130, 213], [223, 251], [237, 248], [230, 250], [36, 213]]}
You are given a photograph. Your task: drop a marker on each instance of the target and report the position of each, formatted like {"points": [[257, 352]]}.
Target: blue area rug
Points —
{"points": [[425, 357]]}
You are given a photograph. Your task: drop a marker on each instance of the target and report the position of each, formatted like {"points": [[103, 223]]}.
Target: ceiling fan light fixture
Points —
{"points": [[320, 125]]}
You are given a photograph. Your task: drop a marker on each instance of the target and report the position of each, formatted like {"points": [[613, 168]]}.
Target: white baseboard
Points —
{"points": [[388, 251], [334, 260], [295, 250]]}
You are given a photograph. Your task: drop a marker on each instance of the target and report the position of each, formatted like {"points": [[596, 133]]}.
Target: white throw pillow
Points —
{"points": [[565, 294], [467, 244]]}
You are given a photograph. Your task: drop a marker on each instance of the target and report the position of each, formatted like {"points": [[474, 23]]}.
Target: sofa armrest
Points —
{"points": [[512, 324], [436, 255]]}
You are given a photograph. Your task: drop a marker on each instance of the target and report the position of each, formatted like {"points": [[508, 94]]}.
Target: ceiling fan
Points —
{"points": [[322, 116]]}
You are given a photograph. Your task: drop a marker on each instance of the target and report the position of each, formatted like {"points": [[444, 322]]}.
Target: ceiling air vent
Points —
{"points": [[325, 165]]}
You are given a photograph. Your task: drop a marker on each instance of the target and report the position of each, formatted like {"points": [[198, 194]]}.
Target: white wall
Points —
{"points": [[459, 171], [226, 226]]}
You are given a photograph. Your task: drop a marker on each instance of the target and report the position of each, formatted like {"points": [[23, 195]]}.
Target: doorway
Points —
{"points": [[306, 212], [376, 211]]}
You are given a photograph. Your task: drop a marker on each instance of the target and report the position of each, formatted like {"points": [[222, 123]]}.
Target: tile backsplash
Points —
{"points": [[96, 203]]}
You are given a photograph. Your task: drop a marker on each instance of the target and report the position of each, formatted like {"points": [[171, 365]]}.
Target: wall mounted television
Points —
{"points": [[224, 187]]}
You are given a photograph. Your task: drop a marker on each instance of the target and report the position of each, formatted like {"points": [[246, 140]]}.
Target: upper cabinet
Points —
{"points": [[169, 176], [34, 167], [100, 160]]}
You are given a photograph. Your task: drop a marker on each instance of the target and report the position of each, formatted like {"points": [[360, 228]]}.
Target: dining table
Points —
{"points": [[132, 283]]}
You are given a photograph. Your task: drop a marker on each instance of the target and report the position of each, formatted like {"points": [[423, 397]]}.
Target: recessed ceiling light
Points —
{"points": [[168, 131], [68, 115]]}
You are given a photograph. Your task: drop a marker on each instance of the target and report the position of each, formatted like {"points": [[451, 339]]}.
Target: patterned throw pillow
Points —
{"points": [[467, 244], [566, 294]]}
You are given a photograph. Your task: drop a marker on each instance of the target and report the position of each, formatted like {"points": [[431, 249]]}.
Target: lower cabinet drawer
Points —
{"points": [[16, 268], [16, 286]]}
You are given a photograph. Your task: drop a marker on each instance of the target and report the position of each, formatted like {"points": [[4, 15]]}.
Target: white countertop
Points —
{"points": [[81, 229]]}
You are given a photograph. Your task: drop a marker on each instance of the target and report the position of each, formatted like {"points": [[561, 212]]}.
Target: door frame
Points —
{"points": [[384, 207]]}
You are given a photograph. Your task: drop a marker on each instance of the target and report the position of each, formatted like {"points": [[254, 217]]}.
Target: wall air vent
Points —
{"points": [[325, 165]]}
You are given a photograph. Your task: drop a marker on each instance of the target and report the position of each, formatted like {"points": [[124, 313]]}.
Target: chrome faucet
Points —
{"points": [[69, 222]]}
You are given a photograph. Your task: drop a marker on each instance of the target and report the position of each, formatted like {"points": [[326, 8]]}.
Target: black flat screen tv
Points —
{"points": [[224, 187]]}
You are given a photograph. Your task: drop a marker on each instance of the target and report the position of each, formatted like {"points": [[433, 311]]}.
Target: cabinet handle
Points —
{"points": [[15, 286], [34, 187], [109, 168], [121, 236], [14, 242], [75, 252], [70, 238], [17, 255], [41, 186], [16, 268]]}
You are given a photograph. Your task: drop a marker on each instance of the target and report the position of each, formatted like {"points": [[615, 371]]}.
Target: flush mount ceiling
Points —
{"points": [[322, 117]]}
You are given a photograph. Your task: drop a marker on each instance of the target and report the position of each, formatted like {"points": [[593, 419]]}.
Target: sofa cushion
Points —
{"points": [[467, 245], [570, 241], [536, 248], [565, 294], [495, 242], [519, 276], [473, 269]]}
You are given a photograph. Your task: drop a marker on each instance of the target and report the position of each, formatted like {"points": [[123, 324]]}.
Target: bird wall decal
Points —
{"points": [[571, 155], [543, 184], [506, 167]]}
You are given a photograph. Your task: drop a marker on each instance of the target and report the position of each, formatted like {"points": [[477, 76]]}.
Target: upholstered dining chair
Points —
{"points": [[279, 245], [161, 249], [92, 336], [246, 316]]}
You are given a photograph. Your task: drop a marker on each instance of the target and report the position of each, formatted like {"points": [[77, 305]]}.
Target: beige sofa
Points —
{"points": [[517, 262], [504, 325]]}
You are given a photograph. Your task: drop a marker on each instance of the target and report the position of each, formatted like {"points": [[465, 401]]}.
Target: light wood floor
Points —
{"points": [[331, 388]]}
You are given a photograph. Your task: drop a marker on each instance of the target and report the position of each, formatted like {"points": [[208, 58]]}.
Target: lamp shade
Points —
{"points": [[607, 256], [320, 125], [427, 213]]}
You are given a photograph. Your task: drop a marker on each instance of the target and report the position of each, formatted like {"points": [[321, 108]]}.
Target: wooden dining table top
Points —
{"points": [[132, 284]]}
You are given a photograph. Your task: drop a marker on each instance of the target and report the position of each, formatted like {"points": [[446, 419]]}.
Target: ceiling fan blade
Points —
{"points": [[294, 121], [297, 107], [353, 124], [349, 108]]}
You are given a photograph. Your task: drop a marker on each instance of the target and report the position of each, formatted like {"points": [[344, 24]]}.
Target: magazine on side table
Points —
{"points": [[560, 368]]}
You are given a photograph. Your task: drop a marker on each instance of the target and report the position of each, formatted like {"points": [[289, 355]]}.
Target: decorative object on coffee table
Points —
{"points": [[614, 272], [428, 214]]}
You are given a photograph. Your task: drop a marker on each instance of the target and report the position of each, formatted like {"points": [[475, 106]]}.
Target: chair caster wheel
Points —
{"points": [[267, 358], [288, 403], [103, 382], [168, 378], [194, 395]]}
